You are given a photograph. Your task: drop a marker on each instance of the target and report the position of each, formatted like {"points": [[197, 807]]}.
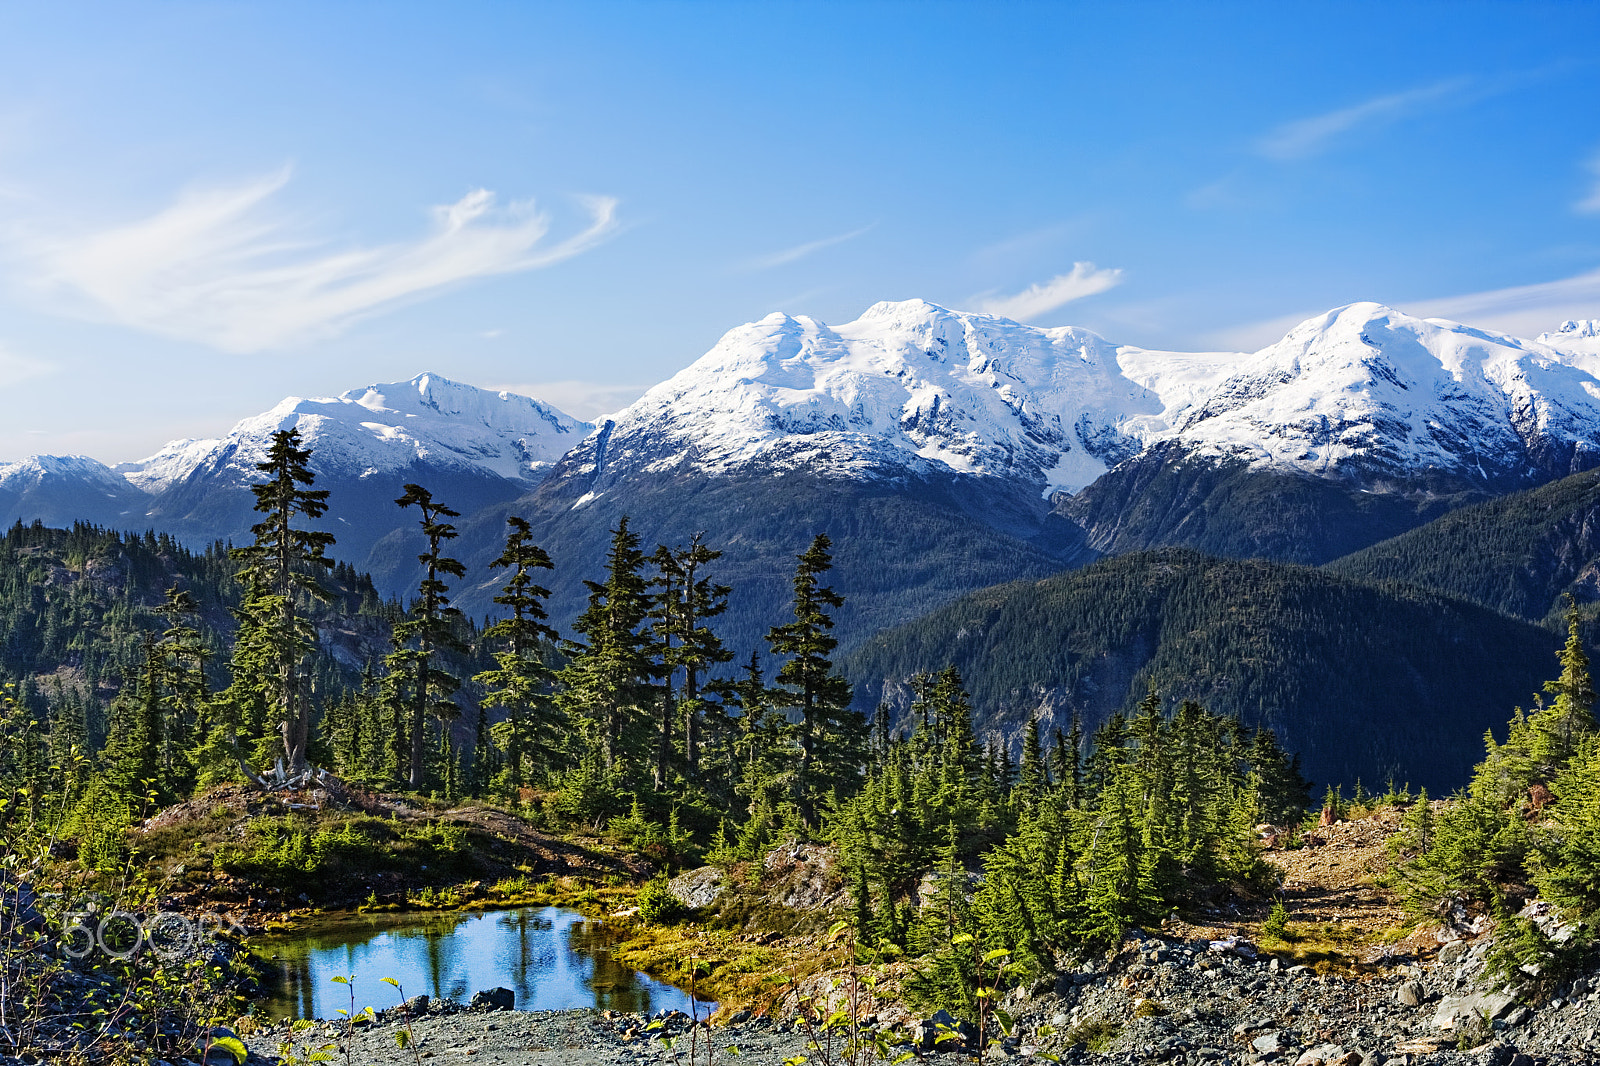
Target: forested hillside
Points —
{"points": [[901, 546], [1516, 554], [1167, 498], [77, 607], [1362, 681]]}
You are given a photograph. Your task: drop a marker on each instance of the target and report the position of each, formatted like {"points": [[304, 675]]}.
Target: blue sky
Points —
{"points": [[207, 207]]}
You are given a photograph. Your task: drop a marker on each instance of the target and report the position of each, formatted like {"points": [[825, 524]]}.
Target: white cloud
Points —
{"points": [[1590, 205], [1522, 311], [1253, 336], [15, 368], [587, 400], [1308, 136], [1084, 280], [800, 251], [221, 267]]}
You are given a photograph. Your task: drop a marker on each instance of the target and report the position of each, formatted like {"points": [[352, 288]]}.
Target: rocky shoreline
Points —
{"points": [[1157, 1000]]}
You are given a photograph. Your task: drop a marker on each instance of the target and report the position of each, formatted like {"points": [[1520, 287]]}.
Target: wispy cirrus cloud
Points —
{"points": [[587, 400], [223, 266], [1085, 279], [1590, 205], [1522, 311], [800, 251], [1307, 137]]}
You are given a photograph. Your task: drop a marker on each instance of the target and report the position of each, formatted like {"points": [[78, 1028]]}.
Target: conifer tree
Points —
{"points": [[1067, 764], [283, 564], [1555, 728], [1033, 779], [428, 632], [762, 748], [520, 682], [133, 745], [685, 600], [608, 681], [830, 733]]}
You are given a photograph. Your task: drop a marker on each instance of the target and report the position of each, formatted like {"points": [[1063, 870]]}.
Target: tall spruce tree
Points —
{"points": [[429, 632], [284, 564], [520, 682], [608, 680], [830, 733], [685, 599]]}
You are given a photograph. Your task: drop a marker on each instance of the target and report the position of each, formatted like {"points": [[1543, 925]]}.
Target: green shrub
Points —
{"points": [[1277, 924], [657, 904]]}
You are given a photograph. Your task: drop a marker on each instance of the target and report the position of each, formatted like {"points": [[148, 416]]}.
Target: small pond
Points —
{"points": [[550, 957]]}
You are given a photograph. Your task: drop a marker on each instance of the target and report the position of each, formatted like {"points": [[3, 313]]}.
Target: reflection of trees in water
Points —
{"points": [[547, 956], [534, 954], [615, 986], [296, 986], [440, 946]]}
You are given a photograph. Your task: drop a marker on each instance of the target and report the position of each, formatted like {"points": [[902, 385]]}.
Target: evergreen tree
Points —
{"points": [[1555, 729], [283, 565], [520, 682], [428, 632], [1067, 765], [1033, 780], [763, 748], [685, 600], [607, 683], [830, 733]]}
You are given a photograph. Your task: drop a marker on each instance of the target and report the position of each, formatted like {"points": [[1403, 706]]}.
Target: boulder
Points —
{"points": [[1489, 1005], [699, 887], [1268, 1043], [493, 999]]}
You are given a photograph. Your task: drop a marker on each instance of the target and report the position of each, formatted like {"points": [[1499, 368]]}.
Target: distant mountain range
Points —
{"points": [[478, 447], [946, 452], [942, 450]]}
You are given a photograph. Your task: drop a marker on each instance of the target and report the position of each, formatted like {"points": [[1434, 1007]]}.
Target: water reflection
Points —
{"points": [[550, 957]]}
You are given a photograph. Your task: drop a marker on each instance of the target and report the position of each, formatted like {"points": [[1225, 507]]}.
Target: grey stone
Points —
{"points": [[1409, 994], [493, 999], [1268, 1043], [1490, 1005], [417, 1005], [1452, 952], [1321, 1055]]}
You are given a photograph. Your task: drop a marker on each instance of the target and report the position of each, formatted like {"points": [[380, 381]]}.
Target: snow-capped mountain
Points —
{"points": [[1367, 391], [62, 489], [380, 429], [906, 387], [366, 444], [1358, 424], [1363, 392]]}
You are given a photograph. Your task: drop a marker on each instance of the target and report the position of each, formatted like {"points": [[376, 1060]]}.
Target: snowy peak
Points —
{"points": [[1365, 388], [1364, 391], [1579, 329], [431, 397], [908, 385], [30, 472], [383, 428]]}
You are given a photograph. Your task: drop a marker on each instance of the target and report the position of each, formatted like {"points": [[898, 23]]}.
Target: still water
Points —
{"points": [[550, 957]]}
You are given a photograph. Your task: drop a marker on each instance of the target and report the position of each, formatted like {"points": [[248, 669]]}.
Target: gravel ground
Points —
{"points": [[1156, 1001], [547, 1038]]}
